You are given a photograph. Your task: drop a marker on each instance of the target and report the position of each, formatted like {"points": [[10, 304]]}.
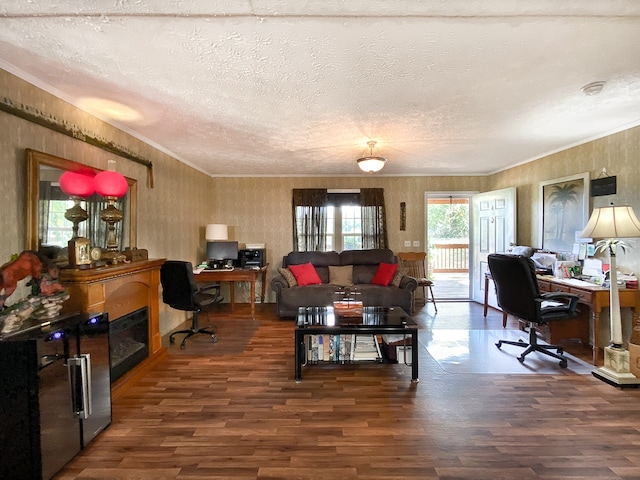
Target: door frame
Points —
{"points": [[453, 194]]}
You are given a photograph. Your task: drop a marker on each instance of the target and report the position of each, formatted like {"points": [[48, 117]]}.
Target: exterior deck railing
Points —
{"points": [[449, 257]]}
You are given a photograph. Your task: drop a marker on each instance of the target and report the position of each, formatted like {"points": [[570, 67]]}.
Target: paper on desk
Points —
{"points": [[592, 266], [545, 259]]}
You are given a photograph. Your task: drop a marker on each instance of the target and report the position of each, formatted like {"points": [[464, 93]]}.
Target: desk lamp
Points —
{"points": [[610, 224]]}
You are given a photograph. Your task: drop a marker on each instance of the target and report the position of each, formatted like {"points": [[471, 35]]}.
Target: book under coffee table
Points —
{"points": [[373, 321]]}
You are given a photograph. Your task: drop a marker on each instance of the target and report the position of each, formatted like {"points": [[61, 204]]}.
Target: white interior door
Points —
{"points": [[493, 231]]}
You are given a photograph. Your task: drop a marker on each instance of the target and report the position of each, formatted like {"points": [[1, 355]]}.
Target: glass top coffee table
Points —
{"points": [[372, 320]]}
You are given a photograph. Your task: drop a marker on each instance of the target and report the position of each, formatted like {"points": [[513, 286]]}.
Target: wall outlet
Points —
{"points": [[407, 243], [416, 243]]}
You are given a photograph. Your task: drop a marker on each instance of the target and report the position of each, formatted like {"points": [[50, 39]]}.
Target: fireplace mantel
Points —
{"points": [[119, 290]]}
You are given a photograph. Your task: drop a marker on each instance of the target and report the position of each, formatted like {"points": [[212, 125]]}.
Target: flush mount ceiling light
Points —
{"points": [[371, 163], [110, 109], [593, 88]]}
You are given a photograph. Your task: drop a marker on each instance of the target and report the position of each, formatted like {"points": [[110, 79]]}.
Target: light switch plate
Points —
{"points": [[416, 243]]}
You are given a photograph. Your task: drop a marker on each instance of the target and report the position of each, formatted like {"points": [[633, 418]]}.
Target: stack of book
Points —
{"points": [[342, 348]]}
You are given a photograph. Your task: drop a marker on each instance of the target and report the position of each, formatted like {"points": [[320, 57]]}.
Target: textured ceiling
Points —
{"points": [[286, 88]]}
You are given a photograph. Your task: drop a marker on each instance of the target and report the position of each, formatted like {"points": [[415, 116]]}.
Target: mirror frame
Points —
{"points": [[34, 160]]}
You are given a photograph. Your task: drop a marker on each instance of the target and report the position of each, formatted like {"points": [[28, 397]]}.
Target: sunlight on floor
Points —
{"points": [[474, 351]]}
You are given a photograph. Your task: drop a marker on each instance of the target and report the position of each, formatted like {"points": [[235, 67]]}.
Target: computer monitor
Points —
{"points": [[222, 250]]}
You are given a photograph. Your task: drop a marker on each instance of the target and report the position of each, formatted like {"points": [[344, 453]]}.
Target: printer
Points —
{"points": [[256, 257]]}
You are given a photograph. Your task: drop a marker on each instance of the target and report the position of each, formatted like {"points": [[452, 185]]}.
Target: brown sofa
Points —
{"points": [[365, 265]]}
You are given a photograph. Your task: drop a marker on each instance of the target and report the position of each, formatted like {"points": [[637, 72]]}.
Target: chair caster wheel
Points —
{"points": [[521, 359], [172, 340], [563, 364], [560, 351], [499, 344], [214, 338]]}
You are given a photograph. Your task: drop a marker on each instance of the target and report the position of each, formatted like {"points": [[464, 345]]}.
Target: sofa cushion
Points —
{"points": [[373, 256], [318, 259], [400, 272], [363, 274], [342, 276], [288, 276], [385, 274], [305, 274]]}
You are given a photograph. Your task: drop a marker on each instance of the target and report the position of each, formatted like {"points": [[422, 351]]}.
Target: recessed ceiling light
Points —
{"points": [[593, 88], [110, 109]]}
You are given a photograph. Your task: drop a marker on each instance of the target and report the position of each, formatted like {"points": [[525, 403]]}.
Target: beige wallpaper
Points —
{"points": [[172, 215], [618, 153], [259, 209]]}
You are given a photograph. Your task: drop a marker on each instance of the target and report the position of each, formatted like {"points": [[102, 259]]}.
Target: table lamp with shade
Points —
{"points": [[216, 232], [611, 224]]}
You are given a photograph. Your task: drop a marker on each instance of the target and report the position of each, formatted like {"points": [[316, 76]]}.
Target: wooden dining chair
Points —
{"points": [[415, 263]]}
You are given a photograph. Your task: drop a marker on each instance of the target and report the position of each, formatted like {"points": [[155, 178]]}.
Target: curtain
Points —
{"points": [[374, 224], [309, 219], [46, 195]]}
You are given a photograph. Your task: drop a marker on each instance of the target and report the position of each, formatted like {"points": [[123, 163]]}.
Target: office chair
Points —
{"points": [[179, 291], [414, 262], [518, 295]]}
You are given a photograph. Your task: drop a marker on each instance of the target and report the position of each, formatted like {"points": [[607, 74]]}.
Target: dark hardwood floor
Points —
{"points": [[231, 410]]}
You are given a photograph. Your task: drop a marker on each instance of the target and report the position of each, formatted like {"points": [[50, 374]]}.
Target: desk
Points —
{"points": [[237, 275], [593, 296]]}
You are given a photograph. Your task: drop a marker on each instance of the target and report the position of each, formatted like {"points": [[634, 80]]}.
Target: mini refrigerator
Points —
{"points": [[55, 395]]}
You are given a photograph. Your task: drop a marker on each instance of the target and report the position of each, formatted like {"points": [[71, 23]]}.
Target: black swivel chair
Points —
{"points": [[179, 291], [518, 295]]}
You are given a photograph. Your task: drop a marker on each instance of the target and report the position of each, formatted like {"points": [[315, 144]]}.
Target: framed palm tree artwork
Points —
{"points": [[564, 212]]}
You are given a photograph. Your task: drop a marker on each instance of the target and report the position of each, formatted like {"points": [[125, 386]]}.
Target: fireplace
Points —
{"points": [[128, 342]]}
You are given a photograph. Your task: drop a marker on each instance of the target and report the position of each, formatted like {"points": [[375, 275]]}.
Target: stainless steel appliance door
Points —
{"points": [[94, 346], [59, 427]]}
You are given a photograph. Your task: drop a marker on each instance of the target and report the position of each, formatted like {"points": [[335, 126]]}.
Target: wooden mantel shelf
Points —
{"points": [[120, 290], [70, 275]]}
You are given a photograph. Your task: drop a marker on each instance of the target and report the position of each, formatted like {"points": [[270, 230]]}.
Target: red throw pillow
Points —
{"points": [[305, 274], [385, 274]]}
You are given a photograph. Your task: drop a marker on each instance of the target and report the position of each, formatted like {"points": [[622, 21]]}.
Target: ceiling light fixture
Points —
{"points": [[593, 88], [371, 164]]}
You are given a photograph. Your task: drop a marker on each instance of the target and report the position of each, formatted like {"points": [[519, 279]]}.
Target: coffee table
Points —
{"points": [[374, 320]]}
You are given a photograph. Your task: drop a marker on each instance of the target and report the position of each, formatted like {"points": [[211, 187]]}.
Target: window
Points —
{"points": [[60, 229], [338, 221], [344, 228]]}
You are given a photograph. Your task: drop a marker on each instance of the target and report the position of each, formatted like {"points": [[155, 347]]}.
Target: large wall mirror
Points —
{"points": [[46, 225]]}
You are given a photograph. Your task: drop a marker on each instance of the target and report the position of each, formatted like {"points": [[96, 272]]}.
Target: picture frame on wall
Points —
{"points": [[564, 211]]}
